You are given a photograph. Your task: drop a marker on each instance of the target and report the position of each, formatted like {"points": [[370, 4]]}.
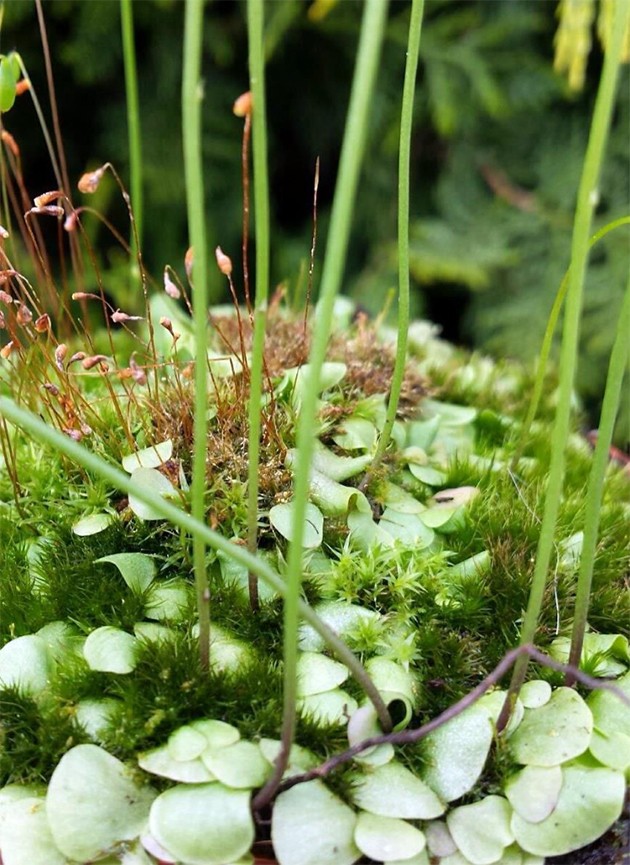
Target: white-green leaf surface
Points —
{"points": [[282, 519], [186, 743], [456, 753], [331, 707], [555, 733], [590, 801], [92, 803], [156, 484], [364, 724], [393, 791], [383, 838], [534, 791], [148, 458], [312, 826], [136, 569], [482, 830], [168, 601], [92, 524], [317, 673], [218, 734], [439, 839], [158, 761], [95, 715], [25, 663], [355, 433], [204, 824], [341, 616], [240, 765], [535, 693], [110, 650], [26, 838], [338, 468]]}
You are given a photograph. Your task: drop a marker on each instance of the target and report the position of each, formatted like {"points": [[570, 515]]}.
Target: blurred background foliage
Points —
{"points": [[499, 139]]}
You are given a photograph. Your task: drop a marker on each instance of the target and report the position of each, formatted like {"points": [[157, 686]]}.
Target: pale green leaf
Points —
{"points": [[148, 458], [26, 838], [535, 693], [331, 707], [393, 791], [316, 674], [554, 733], [168, 601], [590, 801], [533, 792], [312, 826], [110, 650], [158, 761], [93, 803], [92, 524], [240, 765], [482, 830], [186, 743], [137, 569], [153, 482], [383, 838], [25, 663], [282, 519], [203, 824], [456, 753]]}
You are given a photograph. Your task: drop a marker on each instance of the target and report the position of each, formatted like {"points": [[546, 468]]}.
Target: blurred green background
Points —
{"points": [[497, 150]]}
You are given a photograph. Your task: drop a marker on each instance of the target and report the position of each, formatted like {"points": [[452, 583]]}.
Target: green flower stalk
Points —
{"points": [[193, 169], [133, 118], [586, 203]]}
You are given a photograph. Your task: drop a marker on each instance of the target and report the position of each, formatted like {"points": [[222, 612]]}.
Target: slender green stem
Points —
{"points": [[349, 166], [586, 202], [133, 117], [35, 427], [610, 407], [404, 158], [261, 203], [192, 95], [541, 366]]}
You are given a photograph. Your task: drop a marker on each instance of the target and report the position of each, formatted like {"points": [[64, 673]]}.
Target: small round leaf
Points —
{"points": [[384, 838]]}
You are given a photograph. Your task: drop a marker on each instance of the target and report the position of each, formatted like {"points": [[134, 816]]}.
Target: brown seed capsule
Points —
{"points": [[91, 362], [3, 321], [42, 324], [73, 434], [4, 234], [170, 288], [89, 181], [22, 86], [24, 315], [78, 355], [118, 317], [5, 297], [60, 355], [71, 221], [46, 197], [50, 210], [243, 105], [137, 373], [224, 261], [51, 388], [7, 350]]}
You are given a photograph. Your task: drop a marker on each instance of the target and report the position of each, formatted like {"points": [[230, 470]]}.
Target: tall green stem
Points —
{"points": [[261, 217], [349, 166], [586, 202], [610, 406], [545, 350], [133, 117], [35, 427], [192, 96], [404, 158]]}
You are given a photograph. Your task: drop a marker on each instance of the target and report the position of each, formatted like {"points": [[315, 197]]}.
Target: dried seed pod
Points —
{"points": [[51, 388], [71, 221], [3, 321], [224, 262], [4, 234], [170, 288], [78, 355], [73, 434], [24, 315], [94, 360], [137, 373], [118, 317], [42, 324], [5, 297], [7, 350], [89, 181], [22, 86], [46, 197], [50, 210], [60, 355], [243, 105]]}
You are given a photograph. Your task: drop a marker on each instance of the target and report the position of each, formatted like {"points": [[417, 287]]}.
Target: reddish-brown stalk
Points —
{"points": [[243, 108]]}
